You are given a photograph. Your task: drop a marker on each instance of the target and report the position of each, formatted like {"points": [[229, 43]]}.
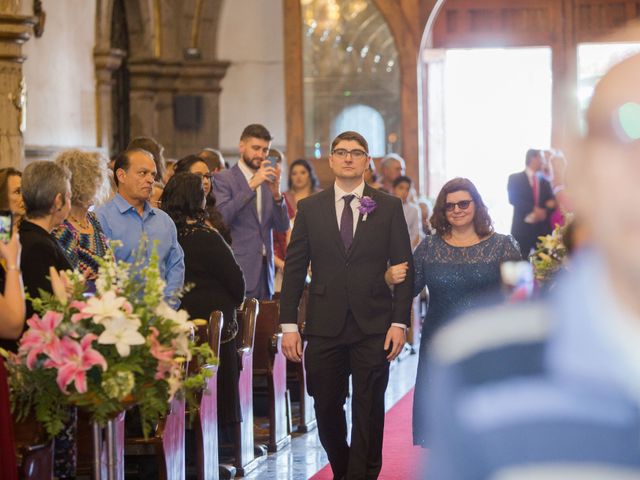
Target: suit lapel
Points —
{"points": [[361, 227], [240, 179], [334, 230]]}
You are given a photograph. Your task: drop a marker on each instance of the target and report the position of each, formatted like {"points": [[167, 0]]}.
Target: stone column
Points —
{"points": [[15, 30], [106, 62]]}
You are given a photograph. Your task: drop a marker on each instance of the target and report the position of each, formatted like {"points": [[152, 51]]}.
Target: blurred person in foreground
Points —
{"points": [[550, 390]]}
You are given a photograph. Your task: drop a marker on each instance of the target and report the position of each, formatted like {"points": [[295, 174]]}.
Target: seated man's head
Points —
{"points": [[402, 187], [391, 167]]}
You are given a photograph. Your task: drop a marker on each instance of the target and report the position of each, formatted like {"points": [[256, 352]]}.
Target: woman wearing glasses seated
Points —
{"points": [[460, 266]]}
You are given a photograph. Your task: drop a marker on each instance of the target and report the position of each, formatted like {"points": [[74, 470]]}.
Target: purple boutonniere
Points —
{"points": [[367, 205]]}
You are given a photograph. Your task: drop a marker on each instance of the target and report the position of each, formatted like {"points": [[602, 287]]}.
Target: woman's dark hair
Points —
{"points": [[310, 171], [482, 223], [213, 215], [182, 199], [5, 174]]}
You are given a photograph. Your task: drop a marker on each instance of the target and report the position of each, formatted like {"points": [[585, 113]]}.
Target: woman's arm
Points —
{"points": [[12, 306]]}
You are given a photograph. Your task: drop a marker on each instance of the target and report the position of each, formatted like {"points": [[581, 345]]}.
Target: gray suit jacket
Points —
{"points": [[237, 204]]}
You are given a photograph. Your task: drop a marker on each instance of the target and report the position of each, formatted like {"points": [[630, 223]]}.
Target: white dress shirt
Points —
{"points": [[355, 203], [248, 174]]}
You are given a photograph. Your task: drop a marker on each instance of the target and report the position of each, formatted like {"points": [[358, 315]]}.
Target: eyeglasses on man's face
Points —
{"points": [[462, 205], [356, 153]]}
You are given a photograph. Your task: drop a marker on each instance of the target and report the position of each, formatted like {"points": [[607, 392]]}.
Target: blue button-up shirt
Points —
{"points": [[121, 221]]}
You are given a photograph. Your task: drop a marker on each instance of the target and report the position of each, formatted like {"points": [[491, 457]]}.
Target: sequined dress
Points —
{"points": [[457, 278]]}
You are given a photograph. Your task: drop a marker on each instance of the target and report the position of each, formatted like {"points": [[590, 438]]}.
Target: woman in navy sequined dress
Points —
{"points": [[460, 266]]}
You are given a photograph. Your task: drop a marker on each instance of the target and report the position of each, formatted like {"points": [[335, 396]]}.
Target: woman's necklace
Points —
{"points": [[82, 224]]}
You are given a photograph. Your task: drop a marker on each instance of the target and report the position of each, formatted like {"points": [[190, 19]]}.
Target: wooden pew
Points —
{"points": [[307, 420], [166, 444], [34, 451], [247, 455], [206, 421], [269, 361]]}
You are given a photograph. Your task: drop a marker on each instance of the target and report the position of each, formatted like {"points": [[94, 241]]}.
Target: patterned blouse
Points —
{"points": [[83, 249]]}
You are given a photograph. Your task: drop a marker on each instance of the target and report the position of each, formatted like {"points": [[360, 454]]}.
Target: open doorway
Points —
{"points": [[487, 106]]}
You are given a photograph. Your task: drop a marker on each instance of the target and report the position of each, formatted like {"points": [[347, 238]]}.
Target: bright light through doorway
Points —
{"points": [[497, 104]]}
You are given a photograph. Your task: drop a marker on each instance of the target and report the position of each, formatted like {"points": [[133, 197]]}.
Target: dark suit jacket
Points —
{"points": [[236, 202], [521, 197], [347, 281], [39, 252]]}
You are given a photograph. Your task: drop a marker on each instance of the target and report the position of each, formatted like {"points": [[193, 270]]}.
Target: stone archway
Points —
{"points": [[172, 56]]}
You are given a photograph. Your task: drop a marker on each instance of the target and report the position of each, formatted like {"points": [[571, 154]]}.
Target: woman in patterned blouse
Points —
{"points": [[81, 236]]}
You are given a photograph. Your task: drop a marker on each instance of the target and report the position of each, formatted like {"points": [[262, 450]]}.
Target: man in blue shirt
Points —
{"points": [[551, 390], [129, 216]]}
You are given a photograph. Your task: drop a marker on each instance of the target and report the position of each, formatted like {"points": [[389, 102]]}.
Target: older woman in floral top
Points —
{"points": [[80, 235]]}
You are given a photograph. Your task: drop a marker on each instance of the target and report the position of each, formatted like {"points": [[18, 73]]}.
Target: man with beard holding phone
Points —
{"points": [[249, 198]]}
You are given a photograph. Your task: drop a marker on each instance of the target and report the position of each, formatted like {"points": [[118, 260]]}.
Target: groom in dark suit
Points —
{"points": [[533, 202], [355, 324]]}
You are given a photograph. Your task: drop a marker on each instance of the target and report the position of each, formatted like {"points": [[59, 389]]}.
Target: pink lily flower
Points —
{"points": [[80, 315], [41, 337], [76, 359], [164, 355]]}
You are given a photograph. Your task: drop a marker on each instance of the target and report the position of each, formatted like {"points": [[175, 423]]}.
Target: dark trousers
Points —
{"points": [[329, 362]]}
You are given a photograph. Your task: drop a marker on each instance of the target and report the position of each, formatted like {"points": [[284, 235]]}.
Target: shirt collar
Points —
{"points": [[124, 206], [246, 171], [358, 192], [530, 173]]}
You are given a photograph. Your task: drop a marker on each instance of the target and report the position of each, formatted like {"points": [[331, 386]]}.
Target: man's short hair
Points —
{"points": [[156, 150], [213, 158], [353, 136], [255, 130], [123, 161], [392, 157], [41, 182], [531, 154], [402, 179]]}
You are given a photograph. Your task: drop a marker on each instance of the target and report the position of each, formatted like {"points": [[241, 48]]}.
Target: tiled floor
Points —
{"points": [[305, 456]]}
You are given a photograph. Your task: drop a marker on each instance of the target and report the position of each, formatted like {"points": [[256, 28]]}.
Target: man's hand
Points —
{"points": [[274, 182], [396, 338], [266, 173], [292, 346], [396, 274]]}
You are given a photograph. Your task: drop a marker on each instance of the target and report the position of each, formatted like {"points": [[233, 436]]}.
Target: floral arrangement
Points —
{"points": [[367, 205], [550, 255], [105, 352]]}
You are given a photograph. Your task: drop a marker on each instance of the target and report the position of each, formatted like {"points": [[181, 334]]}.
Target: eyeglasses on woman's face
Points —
{"points": [[462, 205], [356, 153]]}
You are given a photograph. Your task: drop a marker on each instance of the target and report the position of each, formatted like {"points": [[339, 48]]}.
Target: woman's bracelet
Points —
{"points": [[13, 267]]}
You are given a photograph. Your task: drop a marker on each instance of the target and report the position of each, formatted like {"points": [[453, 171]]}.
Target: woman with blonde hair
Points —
{"points": [[81, 235]]}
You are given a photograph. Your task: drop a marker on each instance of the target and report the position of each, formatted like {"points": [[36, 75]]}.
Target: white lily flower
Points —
{"points": [[122, 332], [107, 307], [179, 317]]}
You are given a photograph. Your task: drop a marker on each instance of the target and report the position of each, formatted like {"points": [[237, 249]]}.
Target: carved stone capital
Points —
{"points": [[106, 62], [14, 31], [186, 76]]}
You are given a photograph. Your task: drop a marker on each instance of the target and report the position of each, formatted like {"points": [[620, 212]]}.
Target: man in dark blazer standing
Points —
{"points": [[355, 324], [533, 201], [248, 197]]}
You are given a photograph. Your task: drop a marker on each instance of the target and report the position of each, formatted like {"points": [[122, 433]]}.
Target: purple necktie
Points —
{"points": [[346, 222]]}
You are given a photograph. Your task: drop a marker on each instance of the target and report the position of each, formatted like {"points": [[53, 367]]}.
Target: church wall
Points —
{"points": [[251, 38], [60, 79]]}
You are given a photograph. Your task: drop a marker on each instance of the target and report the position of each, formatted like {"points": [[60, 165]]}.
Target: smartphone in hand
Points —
{"points": [[6, 225]]}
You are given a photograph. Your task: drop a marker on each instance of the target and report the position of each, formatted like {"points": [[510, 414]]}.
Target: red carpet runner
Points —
{"points": [[400, 459]]}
